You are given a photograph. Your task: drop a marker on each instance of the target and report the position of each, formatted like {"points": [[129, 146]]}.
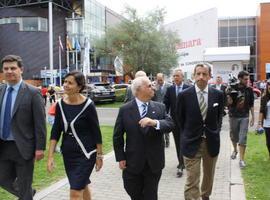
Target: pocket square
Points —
{"points": [[215, 104]]}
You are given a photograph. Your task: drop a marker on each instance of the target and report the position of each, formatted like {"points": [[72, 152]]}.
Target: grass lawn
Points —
{"points": [[42, 178], [109, 105], [256, 175]]}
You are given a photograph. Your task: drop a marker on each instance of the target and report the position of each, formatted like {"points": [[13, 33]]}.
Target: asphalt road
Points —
{"points": [[107, 116]]}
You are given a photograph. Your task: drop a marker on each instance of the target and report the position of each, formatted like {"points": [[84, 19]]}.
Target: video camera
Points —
{"points": [[232, 88]]}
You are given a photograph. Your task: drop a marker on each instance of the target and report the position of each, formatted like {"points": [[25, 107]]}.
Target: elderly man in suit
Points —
{"points": [[141, 153], [200, 111], [161, 88], [170, 103], [221, 87], [22, 130]]}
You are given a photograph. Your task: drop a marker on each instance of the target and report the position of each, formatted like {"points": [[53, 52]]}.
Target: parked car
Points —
{"points": [[100, 92], [120, 91]]}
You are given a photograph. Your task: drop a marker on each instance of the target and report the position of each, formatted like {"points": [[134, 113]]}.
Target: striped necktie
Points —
{"points": [[144, 111], [203, 106], [7, 115]]}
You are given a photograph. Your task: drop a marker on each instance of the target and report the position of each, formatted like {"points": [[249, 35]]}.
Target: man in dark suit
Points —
{"points": [[161, 89], [22, 130], [170, 103], [199, 112], [141, 153], [221, 87]]}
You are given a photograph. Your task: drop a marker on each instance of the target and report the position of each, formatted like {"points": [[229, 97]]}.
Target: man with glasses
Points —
{"points": [[240, 101]]}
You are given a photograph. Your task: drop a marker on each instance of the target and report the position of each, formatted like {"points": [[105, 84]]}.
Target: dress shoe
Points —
{"points": [[234, 154], [179, 173], [205, 198]]}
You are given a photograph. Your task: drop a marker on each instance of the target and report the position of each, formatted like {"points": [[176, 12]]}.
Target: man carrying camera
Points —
{"points": [[240, 101]]}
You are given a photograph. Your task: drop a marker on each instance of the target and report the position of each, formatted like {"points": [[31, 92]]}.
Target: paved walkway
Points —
{"points": [[107, 184]]}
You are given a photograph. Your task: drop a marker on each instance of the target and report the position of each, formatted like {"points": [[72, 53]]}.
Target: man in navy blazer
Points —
{"points": [[141, 153], [199, 111], [170, 103]]}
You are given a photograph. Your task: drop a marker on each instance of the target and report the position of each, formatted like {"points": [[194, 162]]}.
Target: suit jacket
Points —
{"points": [[160, 94], [129, 96], [193, 126], [28, 120], [141, 144], [170, 100]]}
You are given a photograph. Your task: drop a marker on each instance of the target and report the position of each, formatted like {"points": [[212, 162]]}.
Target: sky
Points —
{"points": [[177, 9]]}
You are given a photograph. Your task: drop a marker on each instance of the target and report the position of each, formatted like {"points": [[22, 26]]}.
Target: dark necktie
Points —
{"points": [[7, 114], [144, 112]]}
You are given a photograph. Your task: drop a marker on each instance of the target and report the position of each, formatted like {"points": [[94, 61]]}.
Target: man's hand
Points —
{"points": [[122, 164], [99, 164], [147, 122], [50, 164], [39, 154]]}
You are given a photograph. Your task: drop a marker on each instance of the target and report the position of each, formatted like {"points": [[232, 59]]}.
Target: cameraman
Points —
{"points": [[240, 101]]}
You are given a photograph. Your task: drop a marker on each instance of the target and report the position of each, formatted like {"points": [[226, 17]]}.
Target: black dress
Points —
{"points": [[78, 167]]}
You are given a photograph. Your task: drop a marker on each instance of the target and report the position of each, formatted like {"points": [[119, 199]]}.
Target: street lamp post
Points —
{"points": [[45, 69]]}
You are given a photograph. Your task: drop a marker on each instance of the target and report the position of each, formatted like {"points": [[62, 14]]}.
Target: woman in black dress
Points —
{"points": [[76, 118]]}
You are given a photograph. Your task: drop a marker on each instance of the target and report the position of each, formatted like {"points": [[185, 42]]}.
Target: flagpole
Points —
{"points": [[76, 54], [67, 60], [60, 67]]}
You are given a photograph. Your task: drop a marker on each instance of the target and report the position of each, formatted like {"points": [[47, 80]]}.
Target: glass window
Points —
{"points": [[233, 31], [233, 42], [43, 24], [251, 30], [29, 24], [242, 41], [224, 42], [223, 32], [242, 31]]}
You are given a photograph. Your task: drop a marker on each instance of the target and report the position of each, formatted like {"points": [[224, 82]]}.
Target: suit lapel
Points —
{"points": [[134, 111], [2, 93], [174, 92], [19, 97], [210, 100]]}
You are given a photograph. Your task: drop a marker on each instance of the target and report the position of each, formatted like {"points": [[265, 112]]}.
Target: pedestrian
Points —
{"points": [[161, 88], [44, 93], [264, 116], [240, 101], [76, 120], [23, 130], [170, 102], [199, 112], [220, 86], [138, 141], [52, 94], [129, 96]]}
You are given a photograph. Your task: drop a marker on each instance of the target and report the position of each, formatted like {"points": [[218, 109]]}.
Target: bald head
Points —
{"points": [[160, 79]]}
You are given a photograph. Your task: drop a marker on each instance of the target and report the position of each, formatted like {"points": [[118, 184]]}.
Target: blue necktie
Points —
{"points": [[7, 114], [144, 112]]}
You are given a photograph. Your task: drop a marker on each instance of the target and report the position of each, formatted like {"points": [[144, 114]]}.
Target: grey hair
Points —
{"points": [[140, 74], [178, 70], [137, 83]]}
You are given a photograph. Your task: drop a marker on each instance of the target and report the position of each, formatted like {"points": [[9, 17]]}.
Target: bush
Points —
{"points": [[120, 95]]}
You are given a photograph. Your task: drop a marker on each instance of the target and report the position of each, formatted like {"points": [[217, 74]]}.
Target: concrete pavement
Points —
{"points": [[107, 184]]}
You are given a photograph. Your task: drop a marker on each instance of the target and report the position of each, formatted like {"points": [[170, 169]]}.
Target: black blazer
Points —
{"points": [[192, 124], [170, 100], [141, 145]]}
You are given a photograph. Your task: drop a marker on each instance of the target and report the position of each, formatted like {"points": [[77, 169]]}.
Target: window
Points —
{"points": [[224, 42], [29, 24], [242, 31], [43, 24], [233, 31], [223, 32], [233, 42], [251, 30], [242, 41]]}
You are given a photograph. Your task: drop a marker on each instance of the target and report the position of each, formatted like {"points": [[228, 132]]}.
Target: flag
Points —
{"points": [[86, 59], [77, 45], [118, 66], [68, 44], [60, 43]]}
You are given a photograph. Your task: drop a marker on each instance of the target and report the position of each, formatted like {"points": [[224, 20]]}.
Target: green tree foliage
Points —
{"points": [[142, 42]]}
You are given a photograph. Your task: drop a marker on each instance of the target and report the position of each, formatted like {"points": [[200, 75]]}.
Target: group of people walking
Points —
{"points": [[193, 113]]}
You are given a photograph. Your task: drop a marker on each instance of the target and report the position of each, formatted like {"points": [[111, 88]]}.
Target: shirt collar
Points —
{"points": [[16, 87], [181, 85], [139, 102], [199, 90]]}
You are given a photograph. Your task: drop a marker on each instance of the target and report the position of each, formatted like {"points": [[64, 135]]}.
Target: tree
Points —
{"points": [[142, 42]]}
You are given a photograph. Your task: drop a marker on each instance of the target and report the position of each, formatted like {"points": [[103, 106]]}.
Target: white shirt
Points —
{"points": [[266, 121], [205, 94], [141, 107]]}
